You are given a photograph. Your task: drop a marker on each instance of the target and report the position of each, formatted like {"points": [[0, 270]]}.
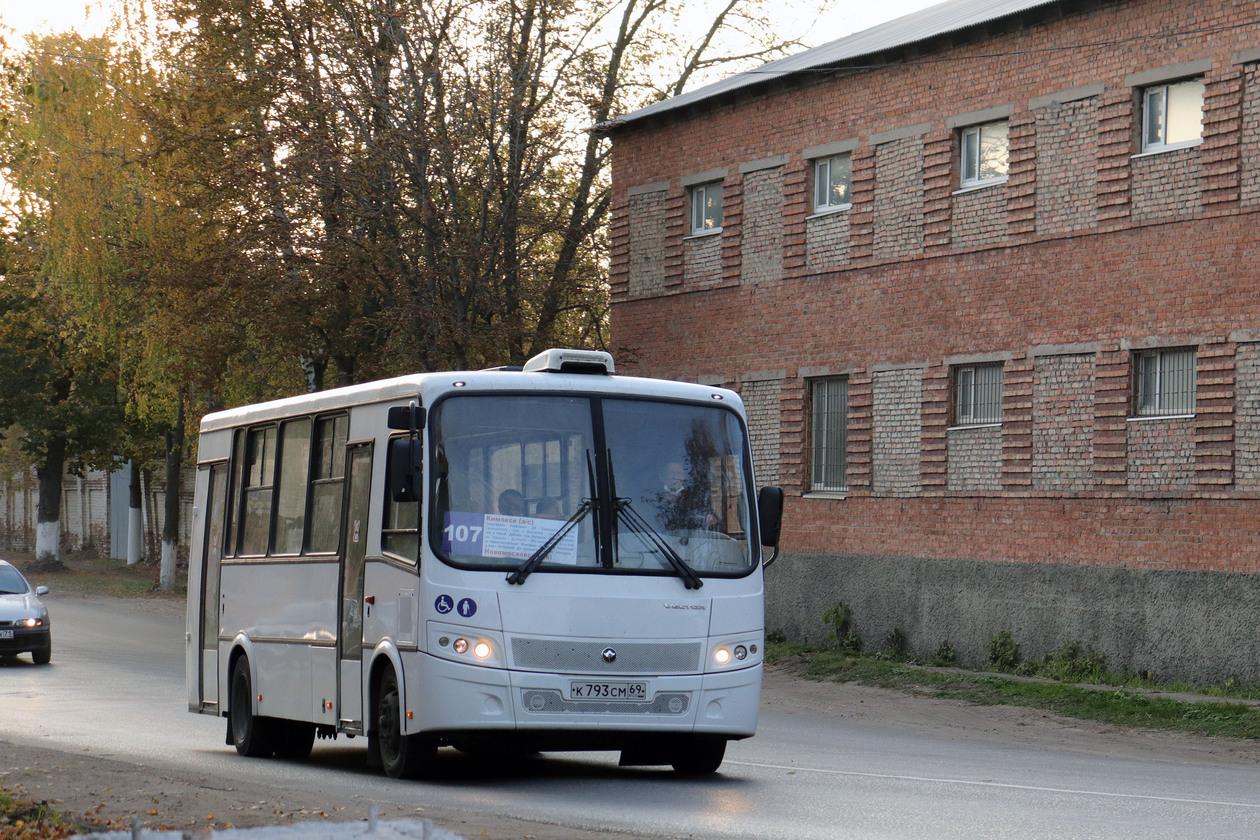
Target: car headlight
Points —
{"points": [[30, 622]]}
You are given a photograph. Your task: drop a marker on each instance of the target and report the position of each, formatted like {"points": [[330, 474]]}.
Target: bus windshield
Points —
{"points": [[573, 484]]}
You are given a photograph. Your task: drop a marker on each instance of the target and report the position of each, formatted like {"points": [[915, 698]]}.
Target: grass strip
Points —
{"points": [[1120, 705]]}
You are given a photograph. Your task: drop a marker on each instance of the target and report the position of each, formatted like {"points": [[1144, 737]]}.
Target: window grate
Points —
{"points": [[1164, 382], [830, 406], [978, 394]]}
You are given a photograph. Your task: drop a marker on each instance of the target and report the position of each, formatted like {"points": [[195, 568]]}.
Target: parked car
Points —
{"points": [[24, 625]]}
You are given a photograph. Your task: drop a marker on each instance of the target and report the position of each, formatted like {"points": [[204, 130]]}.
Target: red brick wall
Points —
{"points": [[1086, 254]]}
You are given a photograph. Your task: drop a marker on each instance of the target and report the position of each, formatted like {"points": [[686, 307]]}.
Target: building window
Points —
{"points": [[984, 154], [977, 394], [1172, 115], [706, 207], [1163, 382], [831, 183], [829, 409]]}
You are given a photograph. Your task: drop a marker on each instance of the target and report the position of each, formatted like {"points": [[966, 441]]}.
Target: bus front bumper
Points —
{"points": [[449, 698]]}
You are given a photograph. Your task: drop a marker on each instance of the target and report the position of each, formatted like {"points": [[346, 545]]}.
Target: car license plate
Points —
{"points": [[608, 691], [6, 634]]}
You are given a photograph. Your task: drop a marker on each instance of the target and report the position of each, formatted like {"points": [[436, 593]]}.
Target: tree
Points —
{"points": [[423, 182], [57, 397]]}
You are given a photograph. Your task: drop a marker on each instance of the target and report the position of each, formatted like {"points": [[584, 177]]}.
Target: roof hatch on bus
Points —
{"points": [[557, 360]]}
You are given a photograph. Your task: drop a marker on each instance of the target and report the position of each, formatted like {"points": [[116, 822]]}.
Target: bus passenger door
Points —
{"points": [[354, 550], [212, 555]]}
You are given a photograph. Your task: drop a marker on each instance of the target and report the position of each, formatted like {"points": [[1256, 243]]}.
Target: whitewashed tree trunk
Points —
{"points": [[48, 541]]}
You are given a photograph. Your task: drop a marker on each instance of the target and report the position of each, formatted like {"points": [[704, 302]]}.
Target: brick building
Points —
{"points": [[986, 277]]}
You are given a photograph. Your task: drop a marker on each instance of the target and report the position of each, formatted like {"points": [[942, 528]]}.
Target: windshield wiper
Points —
{"points": [[649, 534], [639, 525], [523, 571]]}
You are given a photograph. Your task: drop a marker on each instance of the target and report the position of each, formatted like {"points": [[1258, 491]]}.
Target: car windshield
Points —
{"points": [[11, 581], [572, 484]]}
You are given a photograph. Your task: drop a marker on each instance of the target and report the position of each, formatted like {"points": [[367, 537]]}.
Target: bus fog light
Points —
{"points": [[481, 650], [460, 646], [722, 656], [741, 652]]}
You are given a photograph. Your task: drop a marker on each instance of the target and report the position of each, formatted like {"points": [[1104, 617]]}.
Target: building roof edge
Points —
{"points": [[941, 19]]}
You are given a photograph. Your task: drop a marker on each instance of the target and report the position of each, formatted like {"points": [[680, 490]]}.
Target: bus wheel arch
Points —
{"points": [[251, 734], [400, 755]]}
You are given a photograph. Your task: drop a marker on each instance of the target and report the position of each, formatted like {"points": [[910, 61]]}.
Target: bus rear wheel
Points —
{"points": [[402, 756], [698, 756], [295, 739], [252, 736]]}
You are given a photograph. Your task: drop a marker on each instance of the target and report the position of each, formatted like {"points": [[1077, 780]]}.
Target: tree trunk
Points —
{"points": [[48, 517], [170, 523], [135, 518]]}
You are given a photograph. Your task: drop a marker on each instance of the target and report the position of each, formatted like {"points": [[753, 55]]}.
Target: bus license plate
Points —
{"points": [[636, 691]]}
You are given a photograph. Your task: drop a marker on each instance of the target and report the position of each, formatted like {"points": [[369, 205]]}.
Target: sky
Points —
{"points": [[90, 16]]}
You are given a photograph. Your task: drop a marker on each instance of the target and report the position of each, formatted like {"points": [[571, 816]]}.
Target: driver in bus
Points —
{"points": [[511, 503], [683, 503]]}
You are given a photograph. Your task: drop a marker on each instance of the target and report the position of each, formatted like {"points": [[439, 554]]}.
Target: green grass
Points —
{"points": [[93, 576], [1123, 701]]}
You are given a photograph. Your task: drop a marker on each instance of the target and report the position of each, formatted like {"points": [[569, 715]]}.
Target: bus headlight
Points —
{"points": [[469, 645], [733, 653]]}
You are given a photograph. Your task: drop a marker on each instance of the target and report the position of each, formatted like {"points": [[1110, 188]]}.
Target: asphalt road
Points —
{"points": [[115, 690]]}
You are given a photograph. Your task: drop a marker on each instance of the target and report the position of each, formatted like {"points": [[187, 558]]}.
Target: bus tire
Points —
{"points": [[698, 756], [295, 739], [402, 756], [252, 735]]}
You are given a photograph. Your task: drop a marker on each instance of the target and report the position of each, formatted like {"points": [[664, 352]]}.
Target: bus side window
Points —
{"points": [[328, 473], [295, 456], [400, 533], [234, 509], [260, 472]]}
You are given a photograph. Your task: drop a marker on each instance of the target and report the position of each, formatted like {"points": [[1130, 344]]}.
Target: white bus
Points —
{"points": [[546, 558]]}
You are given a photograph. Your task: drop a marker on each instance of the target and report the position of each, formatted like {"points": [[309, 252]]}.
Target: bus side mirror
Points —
{"points": [[404, 470], [770, 518], [406, 418]]}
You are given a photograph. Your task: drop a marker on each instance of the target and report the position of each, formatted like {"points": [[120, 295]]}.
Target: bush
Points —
{"points": [[945, 656], [1069, 664], [842, 635], [896, 646], [1003, 651]]}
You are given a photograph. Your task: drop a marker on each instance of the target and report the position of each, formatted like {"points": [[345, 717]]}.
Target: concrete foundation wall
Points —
{"points": [[1180, 625]]}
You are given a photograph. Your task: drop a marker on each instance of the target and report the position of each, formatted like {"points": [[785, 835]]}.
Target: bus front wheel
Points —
{"points": [[251, 734], [699, 756], [402, 756]]}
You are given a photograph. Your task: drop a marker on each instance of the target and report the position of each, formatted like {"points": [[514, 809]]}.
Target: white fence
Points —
{"points": [[93, 514]]}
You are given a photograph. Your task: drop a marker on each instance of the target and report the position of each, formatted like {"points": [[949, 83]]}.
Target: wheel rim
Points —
{"points": [[387, 722], [241, 714]]}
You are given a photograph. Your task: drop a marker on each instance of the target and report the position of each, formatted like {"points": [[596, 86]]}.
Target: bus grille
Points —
{"points": [[561, 656], [550, 702]]}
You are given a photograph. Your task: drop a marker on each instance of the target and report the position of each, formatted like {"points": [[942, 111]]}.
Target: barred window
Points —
{"points": [[977, 394], [829, 407], [1163, 382]]}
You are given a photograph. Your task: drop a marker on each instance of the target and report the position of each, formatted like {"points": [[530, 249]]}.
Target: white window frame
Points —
{"points": [[971, 142], [829, 434], [977, 394], [824, 168], [706, 215], [1156, 101], [1164, 382]]}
